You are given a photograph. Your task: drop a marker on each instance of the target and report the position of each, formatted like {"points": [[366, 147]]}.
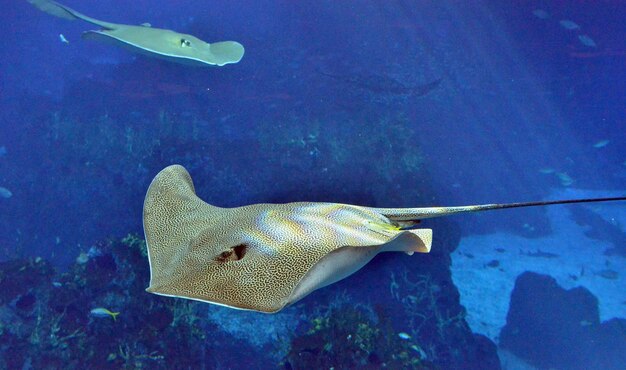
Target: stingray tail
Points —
{"points": [[62, 11], [414, 214]]}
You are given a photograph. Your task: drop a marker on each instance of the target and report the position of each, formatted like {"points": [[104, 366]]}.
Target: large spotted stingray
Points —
{"points": [[156, 42], [263, 257]]}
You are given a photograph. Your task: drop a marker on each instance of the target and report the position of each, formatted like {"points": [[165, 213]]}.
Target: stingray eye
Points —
{"points": [[233, 254], [185, 43]]}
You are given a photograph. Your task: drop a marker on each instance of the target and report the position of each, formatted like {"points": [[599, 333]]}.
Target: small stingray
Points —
{"points": [[263, 257], [157, 42]]}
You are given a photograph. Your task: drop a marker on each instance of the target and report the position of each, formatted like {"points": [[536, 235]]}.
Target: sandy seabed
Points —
{"points": [[485, 290]]}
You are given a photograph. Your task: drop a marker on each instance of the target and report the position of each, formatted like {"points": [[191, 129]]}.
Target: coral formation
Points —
{"points": [[551, 327], [347, 338], [48, 321]]}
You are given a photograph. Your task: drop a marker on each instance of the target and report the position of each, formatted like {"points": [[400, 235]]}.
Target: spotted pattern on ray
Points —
{"points": [[191, 245]]}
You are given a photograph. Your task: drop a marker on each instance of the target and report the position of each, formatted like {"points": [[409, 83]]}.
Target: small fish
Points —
{"points": [[82, 258], [540, 254], [420, 351], [493, 264], [546, 171], [566, 180], [568, 25], [3, 151], [541, 14], [587, 41], [404, 336], [5, 193], [601, 144], [608, 274], [56, 284], [103, 312], [63, 39]]}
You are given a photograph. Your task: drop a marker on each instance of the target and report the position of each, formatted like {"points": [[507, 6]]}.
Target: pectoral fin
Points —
{"points": [[410, 241], [345, 261]]}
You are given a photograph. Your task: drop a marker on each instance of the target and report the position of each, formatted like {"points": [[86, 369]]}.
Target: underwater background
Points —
{"points": [[376, 103]]}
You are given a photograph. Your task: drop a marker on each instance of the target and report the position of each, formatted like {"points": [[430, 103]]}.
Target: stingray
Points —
{"points": [[156, 42], [264, 257]]}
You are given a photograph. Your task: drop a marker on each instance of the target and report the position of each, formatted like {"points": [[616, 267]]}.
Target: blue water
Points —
{"points": [[312, 113]]}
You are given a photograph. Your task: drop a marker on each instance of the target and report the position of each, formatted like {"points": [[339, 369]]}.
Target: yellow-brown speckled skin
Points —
{"points": [[263, 257], [155, 42], [186, 236]]}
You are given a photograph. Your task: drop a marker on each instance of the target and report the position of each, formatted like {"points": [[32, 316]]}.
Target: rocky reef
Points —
{"points": [[354, 337], [555, 328], [48, 321]]}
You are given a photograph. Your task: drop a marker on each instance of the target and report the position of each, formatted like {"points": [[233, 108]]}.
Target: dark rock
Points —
{"points": [[161, 318], [105, 262], [18, 276], [26, 302], [484, 353], [551, 327], [600, 229], [493, 263]]}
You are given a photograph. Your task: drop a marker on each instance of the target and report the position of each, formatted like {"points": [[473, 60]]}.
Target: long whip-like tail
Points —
{"points": [[65, 12], [415, 214]]}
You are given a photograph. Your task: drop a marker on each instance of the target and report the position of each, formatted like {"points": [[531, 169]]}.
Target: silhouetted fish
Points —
{"points": [[382, 84], [5, 193]]}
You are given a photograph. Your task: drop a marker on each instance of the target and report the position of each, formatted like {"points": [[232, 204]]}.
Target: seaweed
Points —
{"points": [[347, 337]]}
